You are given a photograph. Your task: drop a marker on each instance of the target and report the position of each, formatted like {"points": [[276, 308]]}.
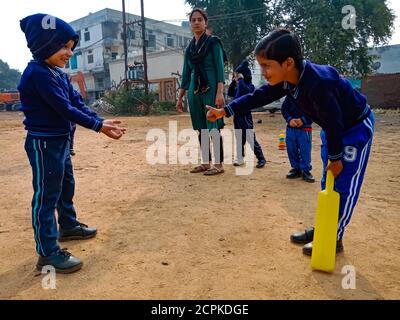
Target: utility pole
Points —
{"points": [[146, 81], [125, 44]]}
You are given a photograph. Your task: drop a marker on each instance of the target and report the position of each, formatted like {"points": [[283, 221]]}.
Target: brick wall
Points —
{"points": [[382, 90]]}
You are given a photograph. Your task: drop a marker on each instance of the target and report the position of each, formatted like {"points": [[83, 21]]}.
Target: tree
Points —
{"points": [[338, 32], [239, 24], [9, 78]]}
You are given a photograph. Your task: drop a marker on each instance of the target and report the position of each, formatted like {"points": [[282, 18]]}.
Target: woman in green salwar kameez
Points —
{"points": [[203, 78]]}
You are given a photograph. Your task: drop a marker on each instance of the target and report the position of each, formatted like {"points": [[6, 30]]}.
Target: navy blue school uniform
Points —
{"points": [[244, 122], [298, 139], [51, 106], [342, 112]]}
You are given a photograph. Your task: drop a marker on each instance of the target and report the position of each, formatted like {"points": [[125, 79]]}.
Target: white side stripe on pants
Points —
{"points": [[354, 186], [40, 185], [41, 199]]}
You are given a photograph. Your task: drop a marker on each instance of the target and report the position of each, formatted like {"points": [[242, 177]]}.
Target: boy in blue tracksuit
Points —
{"points": [[298, 141], [329, 100], [241, 85], [51, 106]]}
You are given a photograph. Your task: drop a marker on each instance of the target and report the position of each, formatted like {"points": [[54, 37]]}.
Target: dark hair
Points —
{"points": [[201, 11], [280, 45]]}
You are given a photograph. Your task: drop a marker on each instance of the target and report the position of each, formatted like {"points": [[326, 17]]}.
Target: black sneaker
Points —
{"points": [[62, 261], [293, 174], [307, 249], [80, 232], [308, 177], [261, 163], [303, 237]]}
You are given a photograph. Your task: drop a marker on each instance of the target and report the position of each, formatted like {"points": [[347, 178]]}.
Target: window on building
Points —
{"points": [[79, 41], [73, 62], [99, 83], [90, 57], [87, 35], [170, 41], [114, 55], [152, 41], [131, 34]]}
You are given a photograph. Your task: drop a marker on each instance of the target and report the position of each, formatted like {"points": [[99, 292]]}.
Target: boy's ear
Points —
{"points": [[290, 64]]}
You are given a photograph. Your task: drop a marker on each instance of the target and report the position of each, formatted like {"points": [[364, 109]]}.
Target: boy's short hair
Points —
{"points": [[280, 45]]}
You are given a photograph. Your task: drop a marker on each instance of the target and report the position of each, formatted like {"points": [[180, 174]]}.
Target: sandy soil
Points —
{"points": [[168, 234]]}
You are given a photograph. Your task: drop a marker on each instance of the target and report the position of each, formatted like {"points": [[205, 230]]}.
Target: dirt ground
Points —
{"points": [[167, 234]]}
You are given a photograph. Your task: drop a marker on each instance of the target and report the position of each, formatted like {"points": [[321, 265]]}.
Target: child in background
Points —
{"points": [[298, 141], [241, 85]]}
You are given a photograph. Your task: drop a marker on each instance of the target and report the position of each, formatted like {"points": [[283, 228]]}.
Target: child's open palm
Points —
{"points": [[111, 129]]}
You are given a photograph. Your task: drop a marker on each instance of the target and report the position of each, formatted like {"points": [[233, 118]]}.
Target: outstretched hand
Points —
{"points": [[213, 114], [111, 129]]}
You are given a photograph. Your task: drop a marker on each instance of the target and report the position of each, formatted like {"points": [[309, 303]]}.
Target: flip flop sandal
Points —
{"points": [[214, 171]]}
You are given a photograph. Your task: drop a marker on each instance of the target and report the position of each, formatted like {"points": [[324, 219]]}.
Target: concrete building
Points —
{"points": [[160, 65], [382, 88], [387, 59], [101, 42], [163, 67]]}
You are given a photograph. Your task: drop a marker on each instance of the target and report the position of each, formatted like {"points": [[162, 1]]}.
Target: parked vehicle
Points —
{"points": [[9, 101]]}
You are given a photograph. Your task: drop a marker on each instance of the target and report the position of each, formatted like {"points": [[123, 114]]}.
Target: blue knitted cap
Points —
{"points": [[46, 34], [244, 69]]}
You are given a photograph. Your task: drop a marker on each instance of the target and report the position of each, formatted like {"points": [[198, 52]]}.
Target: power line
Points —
{"points": [[237, 14], [225, 15]]}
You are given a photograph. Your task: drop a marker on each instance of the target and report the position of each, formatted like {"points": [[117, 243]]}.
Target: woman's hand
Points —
{"points": [[219, 100], [179, 106]]}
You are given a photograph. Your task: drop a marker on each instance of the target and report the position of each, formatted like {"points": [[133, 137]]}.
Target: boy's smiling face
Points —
{"points": [[274, 72], [62, 56]]}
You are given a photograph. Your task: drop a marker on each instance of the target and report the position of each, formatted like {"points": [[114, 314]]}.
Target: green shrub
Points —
{"points": [[163, 107], [131, 102]]}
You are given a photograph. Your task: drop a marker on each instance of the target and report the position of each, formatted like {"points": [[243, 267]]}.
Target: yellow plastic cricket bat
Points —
{"points": [[326, 225]]}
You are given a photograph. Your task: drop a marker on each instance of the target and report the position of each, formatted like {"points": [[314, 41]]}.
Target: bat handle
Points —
{"points": [[330, 180]]}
